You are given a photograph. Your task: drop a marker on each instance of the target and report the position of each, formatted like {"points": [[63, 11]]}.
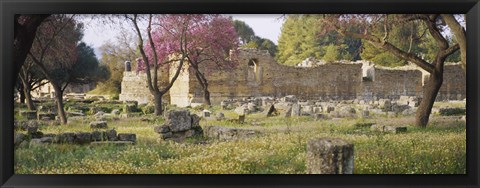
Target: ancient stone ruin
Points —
{"points": [[35, 136], [329, 156], [258, 75], [179, 125]]}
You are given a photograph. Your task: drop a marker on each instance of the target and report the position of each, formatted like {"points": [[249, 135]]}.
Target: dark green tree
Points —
{"points": [[244, 31]]}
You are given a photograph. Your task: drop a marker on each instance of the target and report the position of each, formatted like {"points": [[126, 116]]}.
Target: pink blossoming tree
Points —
{"points": [[195, 38]]}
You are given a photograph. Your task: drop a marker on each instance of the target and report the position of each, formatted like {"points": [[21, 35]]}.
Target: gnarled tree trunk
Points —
{"points": [[204, 83], [27, 96], [429, 94], [59, 101]]}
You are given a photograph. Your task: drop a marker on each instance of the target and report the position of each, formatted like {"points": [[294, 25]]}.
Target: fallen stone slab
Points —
{"points": [[29, 114], [127, 137], [225, 133], [452, 111], [98, 125], [43, 116], [75, 114]]}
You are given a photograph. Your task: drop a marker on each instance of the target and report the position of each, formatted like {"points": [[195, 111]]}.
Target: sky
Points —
{"points": [[264, 25]]}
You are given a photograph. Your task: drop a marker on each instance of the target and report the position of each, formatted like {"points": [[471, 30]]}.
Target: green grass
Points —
{"points": [[281, 149]]}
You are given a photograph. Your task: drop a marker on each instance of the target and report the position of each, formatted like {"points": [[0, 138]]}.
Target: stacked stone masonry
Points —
{"points": [[258, 74]]}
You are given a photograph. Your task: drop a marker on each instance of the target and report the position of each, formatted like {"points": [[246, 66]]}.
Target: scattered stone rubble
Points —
{"points": [[35, 137], [291, 106]]}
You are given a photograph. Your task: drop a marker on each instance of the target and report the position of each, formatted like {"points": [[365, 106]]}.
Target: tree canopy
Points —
{"points": [[303, 36]]}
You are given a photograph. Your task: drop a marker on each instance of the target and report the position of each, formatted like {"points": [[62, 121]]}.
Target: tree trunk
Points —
{"points": [[158, 104], [460, 36], [28, 97], [204, 84], [429, 94], [22, 97], [206, 96], [22, 94], [59, 101]]}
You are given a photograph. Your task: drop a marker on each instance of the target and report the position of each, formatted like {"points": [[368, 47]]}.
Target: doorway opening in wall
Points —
{"points": [[253, 63]]}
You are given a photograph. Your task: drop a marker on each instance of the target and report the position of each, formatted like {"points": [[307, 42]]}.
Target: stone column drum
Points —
{"points": [[329, 156]]}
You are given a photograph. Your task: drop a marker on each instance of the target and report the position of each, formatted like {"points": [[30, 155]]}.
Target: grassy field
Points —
{"points": [[280, 149]]}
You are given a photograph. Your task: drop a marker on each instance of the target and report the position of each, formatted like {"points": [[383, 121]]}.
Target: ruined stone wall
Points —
{"points": [[454, 83], [134, 87], [180, 93], [258, 74], [391, 83]]}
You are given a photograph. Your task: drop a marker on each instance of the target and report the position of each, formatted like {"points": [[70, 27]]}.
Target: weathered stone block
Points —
{"points": [[32, 129], [115, 112], [83, 137], [161, 129], [179, 120], [111, 135], [452, 111], [75, 114], [195, 120], [252, 107], [65, 138], [127, 137], [129, 108], [385, 104], [330, 109], [206, 113], [329, 156], [388, 129], [296, 110], [241, 110], [241, 119], [98, 125], [98, 136], [224, 133], [46, 139], [166, 135], [29, 114], [220, 116], [44, 116], [19, 138]]}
